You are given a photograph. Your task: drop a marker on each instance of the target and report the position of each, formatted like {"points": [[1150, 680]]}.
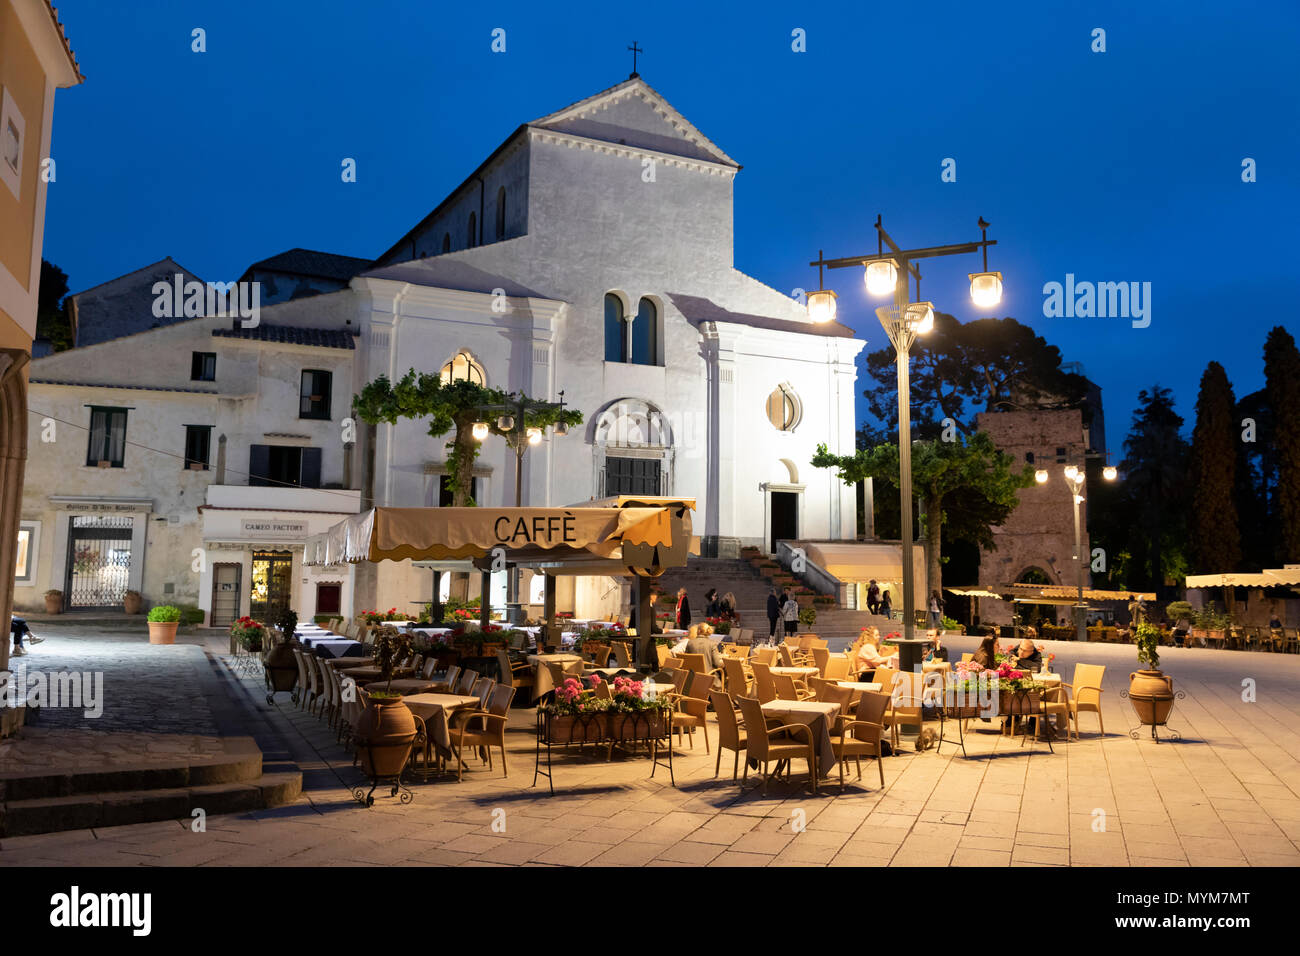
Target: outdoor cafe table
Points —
{"points": [[816, 715], [544, 682], [350, 663], [339, 647], [364, 675], [859, 688], [797, 672], [407, 685], [434, 709]]}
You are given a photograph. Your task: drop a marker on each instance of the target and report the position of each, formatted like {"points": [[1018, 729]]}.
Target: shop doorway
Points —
{"points": [[785, 517], [272, 585], [99, 561], [225, 594]]}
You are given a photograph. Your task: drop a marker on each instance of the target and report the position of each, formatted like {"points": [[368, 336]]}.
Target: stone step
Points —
{"points": [[120, 807]]}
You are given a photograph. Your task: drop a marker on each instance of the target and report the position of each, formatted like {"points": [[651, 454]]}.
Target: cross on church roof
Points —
{"points": [[635, 50]]}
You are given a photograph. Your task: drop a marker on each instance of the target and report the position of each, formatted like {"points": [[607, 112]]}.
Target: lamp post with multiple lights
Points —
{"points": [[903, 322], [1075, 477], [511, 423]]}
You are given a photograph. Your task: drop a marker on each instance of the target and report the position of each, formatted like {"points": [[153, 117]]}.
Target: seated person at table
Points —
{"points": [[870, 655], [937, 651], [1274, 622], [1028, 656], [699, 640], [986, 654]]}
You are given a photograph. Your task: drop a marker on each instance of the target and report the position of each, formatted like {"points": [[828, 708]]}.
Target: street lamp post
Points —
{"points": [[902, 322], [1075, 477], [519, 435]]}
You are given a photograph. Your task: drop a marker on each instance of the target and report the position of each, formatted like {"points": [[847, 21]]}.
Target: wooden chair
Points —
{"points": [[764, 744], [739, 684], [730, 736], [764, 686], [484, 729], [516, 675], [1083, 693], [860, 737], [691, 709]]}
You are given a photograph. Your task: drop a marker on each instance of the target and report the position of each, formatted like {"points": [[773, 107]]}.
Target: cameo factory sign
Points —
{"points": [[272, 528]]}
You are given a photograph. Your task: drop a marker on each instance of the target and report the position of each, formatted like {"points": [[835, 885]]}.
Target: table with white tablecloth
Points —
{"points": [[434, 710], [544, 682]]}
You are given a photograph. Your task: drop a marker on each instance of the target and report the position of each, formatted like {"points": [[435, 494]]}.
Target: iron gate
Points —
{"points": [[99, 560], [272, 585]]}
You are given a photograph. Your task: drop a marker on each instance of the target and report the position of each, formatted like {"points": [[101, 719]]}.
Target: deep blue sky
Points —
{"points": [[1115, 166]]}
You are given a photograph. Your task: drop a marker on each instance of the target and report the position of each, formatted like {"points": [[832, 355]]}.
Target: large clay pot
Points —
{"points": [[1152, 695], [281, 667], [385, 733], [54, 602], [163, 632], [131, 602]]}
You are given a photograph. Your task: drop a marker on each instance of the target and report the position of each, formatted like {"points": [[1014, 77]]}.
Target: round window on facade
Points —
{"points": [[462, 368], [783, 408]]}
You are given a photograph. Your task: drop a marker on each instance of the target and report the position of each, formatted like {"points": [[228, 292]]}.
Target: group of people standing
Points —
{"points": [[781, 608], [714, 607], [878, 601]]}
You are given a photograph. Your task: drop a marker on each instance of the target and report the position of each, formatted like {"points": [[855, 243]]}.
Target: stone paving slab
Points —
{"points": [[1227, 794]]}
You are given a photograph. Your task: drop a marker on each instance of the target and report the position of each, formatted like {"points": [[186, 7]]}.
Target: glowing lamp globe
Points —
{"points": [[1072, 472], [920, 315], [986, 288], [1040, 476], [1110, 472], [506, 422], [480, 431], [821, 305], [881, 276], [534, 436], [561, 429]]}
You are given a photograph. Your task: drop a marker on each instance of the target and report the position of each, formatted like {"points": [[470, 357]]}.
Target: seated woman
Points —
{"points": [[1028, 656], [986, 654], [869, 654]]}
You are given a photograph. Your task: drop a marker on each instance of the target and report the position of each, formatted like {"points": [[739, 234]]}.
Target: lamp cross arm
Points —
{"points": [[929, 252]]}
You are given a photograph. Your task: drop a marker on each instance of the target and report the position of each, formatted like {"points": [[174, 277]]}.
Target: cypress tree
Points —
{"points": [[1215, 532], [1282, 383]]}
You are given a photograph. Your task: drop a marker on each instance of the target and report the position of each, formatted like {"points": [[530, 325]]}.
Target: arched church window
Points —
{"points": [[615, 329], [783, 408], [462, 368], [645, 334], [501, 213]]}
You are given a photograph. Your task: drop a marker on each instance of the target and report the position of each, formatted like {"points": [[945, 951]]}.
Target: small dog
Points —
{"points": [[925, 740]]}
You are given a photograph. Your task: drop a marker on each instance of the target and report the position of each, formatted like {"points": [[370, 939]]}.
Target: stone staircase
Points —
{"points": [[837, 625]]}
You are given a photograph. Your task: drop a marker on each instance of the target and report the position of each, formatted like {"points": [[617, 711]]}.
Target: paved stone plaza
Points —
{"points": [[1227, 794]]}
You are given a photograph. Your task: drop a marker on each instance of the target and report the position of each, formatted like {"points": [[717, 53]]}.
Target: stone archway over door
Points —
{"points": [[13, 461]]}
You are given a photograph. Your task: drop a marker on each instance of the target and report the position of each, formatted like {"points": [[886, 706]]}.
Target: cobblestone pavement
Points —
{"points": [[150, 706], [1227, 794]]}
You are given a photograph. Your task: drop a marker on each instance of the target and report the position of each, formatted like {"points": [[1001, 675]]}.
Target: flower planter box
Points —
{"points": [[804, 600]]}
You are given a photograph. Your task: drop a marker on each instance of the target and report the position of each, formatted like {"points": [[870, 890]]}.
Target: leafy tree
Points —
{"points": [[449, 407], [1282, 384], [1215, 541], [51, 321], [968, 487], [1153, 506], [960, 369]]}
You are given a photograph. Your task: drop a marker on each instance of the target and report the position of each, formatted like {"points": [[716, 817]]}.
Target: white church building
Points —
{"points": [[590, 255]]}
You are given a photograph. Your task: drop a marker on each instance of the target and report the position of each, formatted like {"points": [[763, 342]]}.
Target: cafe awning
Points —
{"points": [[975, 592], [1070, 594], [636, 537], [1268, 578]]}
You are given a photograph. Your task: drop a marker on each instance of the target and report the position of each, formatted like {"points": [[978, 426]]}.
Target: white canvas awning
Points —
{"points": [[1268, 578]]}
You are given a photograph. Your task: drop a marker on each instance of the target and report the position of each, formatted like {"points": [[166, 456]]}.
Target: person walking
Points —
{"points": [[683, 616], [936, 610], [727, 606], [873, 598], [790, 612], [886, 610], [773, 613], [711, 606]]}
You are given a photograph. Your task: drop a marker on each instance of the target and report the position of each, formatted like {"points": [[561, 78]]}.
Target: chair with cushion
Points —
{"points": [[730, 736], [764, 686], [782, 743], [860, 737], [1083, 693], [483, 729]]}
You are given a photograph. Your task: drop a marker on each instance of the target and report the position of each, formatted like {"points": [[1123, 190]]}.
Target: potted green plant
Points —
{"points": [[163, 621], [808, 616], [385, 730], [1150, 691], [53, 601]]}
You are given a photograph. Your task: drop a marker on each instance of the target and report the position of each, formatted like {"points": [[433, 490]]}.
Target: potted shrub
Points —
{"points": [[280, 665], [808, 616], [385, 730], [1149, 691], [54, 601], [163, 621], [132, 602]]}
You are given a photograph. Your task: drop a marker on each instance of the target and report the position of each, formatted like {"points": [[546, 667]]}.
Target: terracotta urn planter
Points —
{"points": [[53, 602], [163, 632], [1152, 695], [132, 602], [385, 733]]}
